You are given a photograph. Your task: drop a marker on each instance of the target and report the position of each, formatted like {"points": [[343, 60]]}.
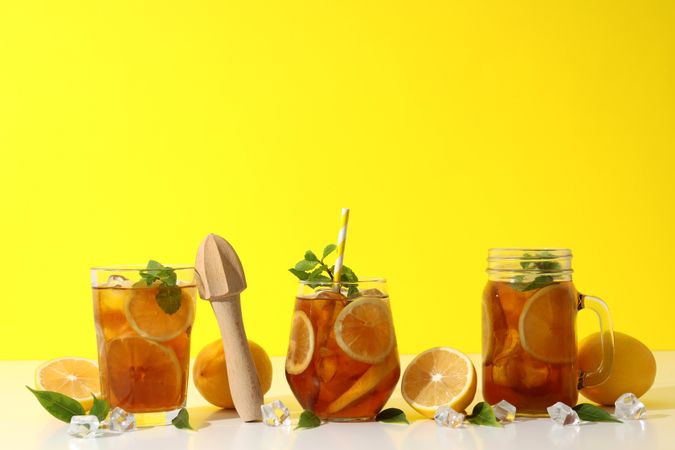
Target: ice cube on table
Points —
{"points": [[629, 407], [445, 416], [83, 426], [504, 411], [562, 414], [121, 421], [275, 414]]}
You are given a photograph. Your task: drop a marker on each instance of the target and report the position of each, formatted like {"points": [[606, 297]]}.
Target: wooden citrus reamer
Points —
{"points": [[221, 280]]}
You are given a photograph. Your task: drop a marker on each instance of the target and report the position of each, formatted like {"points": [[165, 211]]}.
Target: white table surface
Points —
{"points": [[25, 425]]}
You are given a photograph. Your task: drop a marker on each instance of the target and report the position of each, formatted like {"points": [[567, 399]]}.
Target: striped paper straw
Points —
{"points": [[342, 238]]}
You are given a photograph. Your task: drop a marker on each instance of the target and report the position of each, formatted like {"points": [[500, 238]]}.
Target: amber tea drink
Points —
{"points": [[342, 360], [143, 318], [529, 330]]}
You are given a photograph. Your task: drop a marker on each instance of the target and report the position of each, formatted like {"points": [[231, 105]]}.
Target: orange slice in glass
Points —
{"points": [[150, 321], [439, 376], [364, 330], [74, 377], [142, 374], [546, 325], [301, 345]]}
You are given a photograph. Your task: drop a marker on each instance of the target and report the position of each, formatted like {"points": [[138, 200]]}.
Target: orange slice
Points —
{"points": [[301, 345], [142, 374], [439, 376], [74, 377], [546, 325], [367, 383], [150, 321], [364, 330]]}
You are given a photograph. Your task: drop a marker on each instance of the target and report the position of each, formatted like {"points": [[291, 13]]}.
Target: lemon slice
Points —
{"points": [[364, 330], [436, 377], [150, 321], [546, 325], [142, 374], [74, 377], [301, 345]]}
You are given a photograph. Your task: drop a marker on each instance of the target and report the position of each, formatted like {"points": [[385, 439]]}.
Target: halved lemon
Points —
{"points": [[72, 376], [364, 330], [143, 374], [150, 321], [436, 377], [301, 345], [546, 325]]}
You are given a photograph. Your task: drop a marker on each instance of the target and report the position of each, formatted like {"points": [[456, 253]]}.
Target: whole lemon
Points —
{"points": [[633, 369], [210, 372]]}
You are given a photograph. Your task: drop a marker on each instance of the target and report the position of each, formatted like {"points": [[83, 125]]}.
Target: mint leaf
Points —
{"points": [[392, 415], [100, 408], [483, 414], [310, 256], [308, 420], [538, 282], [182, 420], [168, 277], [168, 298], [58, 405], [330, 248], [299, 273], [305, 265], [592, 413]]}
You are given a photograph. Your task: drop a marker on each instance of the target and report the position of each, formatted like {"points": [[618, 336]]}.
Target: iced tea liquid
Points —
{"points": [[337, 384], [529, 345], [143, 352]]}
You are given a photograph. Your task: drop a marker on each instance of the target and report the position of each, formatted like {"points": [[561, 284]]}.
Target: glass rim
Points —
{"points": [[563, 250], [343, 283], [138, 267]]}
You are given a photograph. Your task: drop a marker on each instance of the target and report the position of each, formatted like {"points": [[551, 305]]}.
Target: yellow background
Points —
{"points": [[130, 129]]}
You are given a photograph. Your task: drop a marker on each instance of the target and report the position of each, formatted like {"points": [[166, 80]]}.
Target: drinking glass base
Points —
{"points": [[154, 419]]}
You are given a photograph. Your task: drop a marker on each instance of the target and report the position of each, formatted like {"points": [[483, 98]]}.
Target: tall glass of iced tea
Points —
{"points": [[529, 330], [342, 361], [143, 318]]}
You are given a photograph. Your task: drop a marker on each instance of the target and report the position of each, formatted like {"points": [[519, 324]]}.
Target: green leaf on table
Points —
{"points": [[330, 248], [58, 405], [168, 298], [308, 420], [182, 420], [592, 413], [310, 256], [392, 415], [305, 265], [483, 414], [100, 408], [302, 275]]}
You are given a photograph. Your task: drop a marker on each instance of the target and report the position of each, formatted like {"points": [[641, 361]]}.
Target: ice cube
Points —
{"points": [[121, 421], [117, 281], [628, 407], [329, 294], [447, 417], [504, 411], [83, 426], [372, 293], [276, 414], [562, 414]]}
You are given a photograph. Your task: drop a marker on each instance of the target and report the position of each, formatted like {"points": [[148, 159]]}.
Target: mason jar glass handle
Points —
{"points": [[600, 309]]}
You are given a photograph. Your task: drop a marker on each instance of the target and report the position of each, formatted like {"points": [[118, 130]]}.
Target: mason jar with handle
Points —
{"points": [[529, 330]]}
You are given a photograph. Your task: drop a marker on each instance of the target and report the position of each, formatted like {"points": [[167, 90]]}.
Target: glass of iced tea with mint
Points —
{"points": [[530, 307], [143, 317], [342, 362]]}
